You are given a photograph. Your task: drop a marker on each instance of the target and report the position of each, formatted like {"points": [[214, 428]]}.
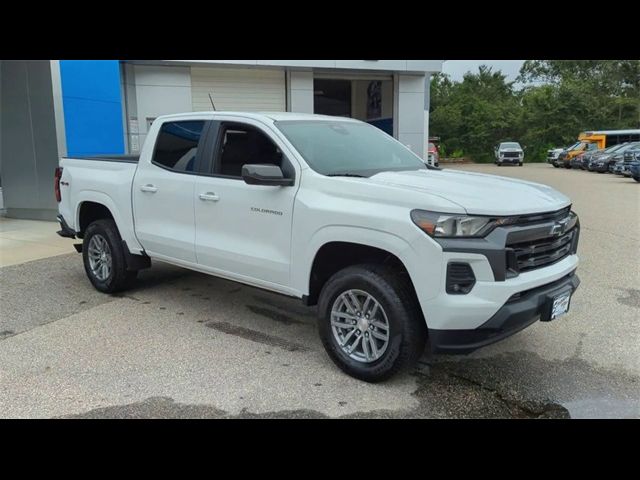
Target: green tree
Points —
{"points": [[555, 101], [475, 114]]}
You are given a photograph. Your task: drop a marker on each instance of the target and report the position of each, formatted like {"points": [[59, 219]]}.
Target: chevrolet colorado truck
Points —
{"points": [[396, 254]]}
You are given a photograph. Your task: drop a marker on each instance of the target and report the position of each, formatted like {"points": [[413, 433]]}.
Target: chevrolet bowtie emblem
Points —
{"points": [[559, 227]]}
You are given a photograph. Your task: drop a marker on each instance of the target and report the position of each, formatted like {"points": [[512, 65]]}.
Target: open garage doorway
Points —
{"points": [[366, 99]]}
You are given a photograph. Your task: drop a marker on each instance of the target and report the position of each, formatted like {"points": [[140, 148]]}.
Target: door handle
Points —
{"points": [[149, 188], [209, 197]]}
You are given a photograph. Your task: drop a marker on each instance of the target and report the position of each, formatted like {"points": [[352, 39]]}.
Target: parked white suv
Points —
{"points": [[337, 213]]}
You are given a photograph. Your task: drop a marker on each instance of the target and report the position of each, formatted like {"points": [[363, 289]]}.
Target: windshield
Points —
{"points": [[614, 148], [339, 148], [626, 146], [509, 145]]}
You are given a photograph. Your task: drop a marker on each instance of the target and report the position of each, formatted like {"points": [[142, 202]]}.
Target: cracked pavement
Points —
{"points": [[185, 345]]}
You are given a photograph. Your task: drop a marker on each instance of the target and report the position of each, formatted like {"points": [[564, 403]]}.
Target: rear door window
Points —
{"points": [[178, 144]]}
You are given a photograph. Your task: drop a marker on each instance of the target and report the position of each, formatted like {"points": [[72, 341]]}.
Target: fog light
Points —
{"points": [[460, 278]]}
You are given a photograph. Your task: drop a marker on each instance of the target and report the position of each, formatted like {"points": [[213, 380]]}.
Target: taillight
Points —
{"points": [[56, 184]]}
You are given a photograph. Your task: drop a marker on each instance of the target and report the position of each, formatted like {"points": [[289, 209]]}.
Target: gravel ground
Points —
{"points": [[185, 345]]}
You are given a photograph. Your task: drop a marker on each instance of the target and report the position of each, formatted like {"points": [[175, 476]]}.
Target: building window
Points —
{"points": [[332, 97]]}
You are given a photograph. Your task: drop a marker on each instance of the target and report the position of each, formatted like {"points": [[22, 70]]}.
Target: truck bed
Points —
{"points": [[102, 179]]}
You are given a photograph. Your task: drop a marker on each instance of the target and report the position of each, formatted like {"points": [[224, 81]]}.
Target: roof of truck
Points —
{"points": [[273, 116]]}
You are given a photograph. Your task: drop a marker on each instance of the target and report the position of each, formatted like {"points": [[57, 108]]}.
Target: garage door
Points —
{"points": [[238, 89]]}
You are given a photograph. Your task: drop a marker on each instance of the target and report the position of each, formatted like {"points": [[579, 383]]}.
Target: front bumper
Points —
{"points": [[520, 311], [514, 160]]}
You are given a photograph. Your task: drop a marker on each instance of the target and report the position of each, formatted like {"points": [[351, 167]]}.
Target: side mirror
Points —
{"points": [[265, 174]]}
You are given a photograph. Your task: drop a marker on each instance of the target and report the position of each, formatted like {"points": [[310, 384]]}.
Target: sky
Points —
{"points": [[457, 68]]}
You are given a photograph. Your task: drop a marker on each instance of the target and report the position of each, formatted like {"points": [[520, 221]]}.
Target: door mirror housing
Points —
{"points": [[265, 174]]}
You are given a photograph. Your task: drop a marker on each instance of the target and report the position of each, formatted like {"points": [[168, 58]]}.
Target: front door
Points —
{"points": [[244, 231]]}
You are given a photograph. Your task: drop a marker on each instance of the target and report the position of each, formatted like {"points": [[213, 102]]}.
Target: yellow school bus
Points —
{"points": [[609, 138]]}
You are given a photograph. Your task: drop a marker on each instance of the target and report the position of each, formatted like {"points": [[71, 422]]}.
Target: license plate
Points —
{"points": [[560, 305]]}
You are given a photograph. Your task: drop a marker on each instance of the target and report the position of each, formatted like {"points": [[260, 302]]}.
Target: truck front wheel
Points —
{"points": [[370, 322], [104, 257]]}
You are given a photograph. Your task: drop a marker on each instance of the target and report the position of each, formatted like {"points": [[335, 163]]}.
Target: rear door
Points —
{"points": [[244, 231], [163, 191]]}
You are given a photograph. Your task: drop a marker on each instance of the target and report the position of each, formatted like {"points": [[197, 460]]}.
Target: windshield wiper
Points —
{"points": [[346, 175]]}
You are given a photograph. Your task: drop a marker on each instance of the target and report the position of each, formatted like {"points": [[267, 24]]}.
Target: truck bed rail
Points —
{"points": [[133, 158]]}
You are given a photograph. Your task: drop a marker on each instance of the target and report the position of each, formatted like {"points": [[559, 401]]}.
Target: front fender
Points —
{"points": [[358, 235]]}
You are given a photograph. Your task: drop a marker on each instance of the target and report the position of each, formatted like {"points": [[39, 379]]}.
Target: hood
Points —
{"points": [[477, 193]]}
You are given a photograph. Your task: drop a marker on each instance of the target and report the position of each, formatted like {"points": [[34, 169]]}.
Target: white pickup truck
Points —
{"points": [[335, 212]]}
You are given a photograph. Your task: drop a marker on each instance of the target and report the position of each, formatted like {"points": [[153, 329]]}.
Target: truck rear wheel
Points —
{"points": [[370, 323], [104, 257]]}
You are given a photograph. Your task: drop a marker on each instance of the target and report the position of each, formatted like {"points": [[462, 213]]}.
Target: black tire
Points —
{"points": [[119, 277], [637, 179], [520, 164], [407, 328]]}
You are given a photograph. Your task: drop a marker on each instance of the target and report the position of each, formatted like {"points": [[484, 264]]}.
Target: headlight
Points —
{"points": [[437, 224]]}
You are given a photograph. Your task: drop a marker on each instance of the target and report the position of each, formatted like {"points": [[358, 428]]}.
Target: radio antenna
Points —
{"points": [[212, 104]]}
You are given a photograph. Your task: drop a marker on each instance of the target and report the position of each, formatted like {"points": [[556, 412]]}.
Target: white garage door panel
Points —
{"points": [[238, 89]]}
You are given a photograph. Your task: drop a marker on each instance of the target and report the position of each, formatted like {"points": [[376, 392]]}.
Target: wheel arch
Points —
{"points": [[356, 246], [92, 205]]}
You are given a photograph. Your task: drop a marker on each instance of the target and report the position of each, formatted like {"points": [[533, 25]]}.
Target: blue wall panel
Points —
{"points": [[92, 106]]}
